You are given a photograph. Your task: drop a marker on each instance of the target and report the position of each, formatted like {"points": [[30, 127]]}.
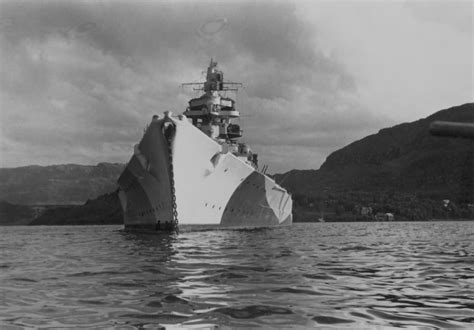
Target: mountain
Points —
{"points": [[104, 210], [15, 215], [401, 169], [57, 184]]}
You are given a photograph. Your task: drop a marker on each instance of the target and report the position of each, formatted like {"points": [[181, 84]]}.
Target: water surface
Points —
{"points": [[410, 275]]}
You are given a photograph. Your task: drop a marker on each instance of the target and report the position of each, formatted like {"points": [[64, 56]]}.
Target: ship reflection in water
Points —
{"points": [[307, 275]]}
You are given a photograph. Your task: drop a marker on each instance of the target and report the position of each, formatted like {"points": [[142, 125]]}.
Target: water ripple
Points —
{"points": [[343, 275]]}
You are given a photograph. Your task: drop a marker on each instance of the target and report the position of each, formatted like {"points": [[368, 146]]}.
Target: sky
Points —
{"points": [[80, 80]]}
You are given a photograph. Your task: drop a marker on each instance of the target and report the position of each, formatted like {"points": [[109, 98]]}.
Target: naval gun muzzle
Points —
{"points": [[452, 129]]}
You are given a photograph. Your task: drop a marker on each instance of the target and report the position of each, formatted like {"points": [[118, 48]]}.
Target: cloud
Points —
{"points": [[405, 61], [80, 80], [454, 14]]}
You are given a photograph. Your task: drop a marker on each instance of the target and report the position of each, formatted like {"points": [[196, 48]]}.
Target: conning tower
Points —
{"points": [[213, 113]]}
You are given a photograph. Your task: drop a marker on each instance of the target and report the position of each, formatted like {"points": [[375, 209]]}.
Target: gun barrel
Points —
{"points": [[452, 129]]}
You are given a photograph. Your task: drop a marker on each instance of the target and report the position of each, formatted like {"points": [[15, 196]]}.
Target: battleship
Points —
{"points": [[191, 170]]}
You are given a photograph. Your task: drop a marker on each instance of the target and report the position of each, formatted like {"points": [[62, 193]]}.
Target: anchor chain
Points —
{"points": [[174, 206]]}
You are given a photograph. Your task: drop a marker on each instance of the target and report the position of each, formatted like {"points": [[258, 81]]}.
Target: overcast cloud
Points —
{"points": [[80, 80]]}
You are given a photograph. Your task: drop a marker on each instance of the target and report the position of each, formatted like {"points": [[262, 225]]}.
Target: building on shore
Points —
{"points": [[384, 216]]}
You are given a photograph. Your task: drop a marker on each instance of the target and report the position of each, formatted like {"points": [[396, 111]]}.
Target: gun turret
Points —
{"points": [[452, 129]]}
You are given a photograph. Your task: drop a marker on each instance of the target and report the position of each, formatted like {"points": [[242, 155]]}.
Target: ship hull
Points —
{"points": [[179, 173]]}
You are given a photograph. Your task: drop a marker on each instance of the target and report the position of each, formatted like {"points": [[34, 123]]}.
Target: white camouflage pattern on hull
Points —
{"points": [[211, 185]]}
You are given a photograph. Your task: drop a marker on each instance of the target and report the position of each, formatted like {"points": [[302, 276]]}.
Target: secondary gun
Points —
{"points": [[452, 129]]}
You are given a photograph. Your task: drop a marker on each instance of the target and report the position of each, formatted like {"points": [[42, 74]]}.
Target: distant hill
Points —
{"points": [[401, 170], [394, 170], [57, 184], [11, 214], [104, 210]]}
